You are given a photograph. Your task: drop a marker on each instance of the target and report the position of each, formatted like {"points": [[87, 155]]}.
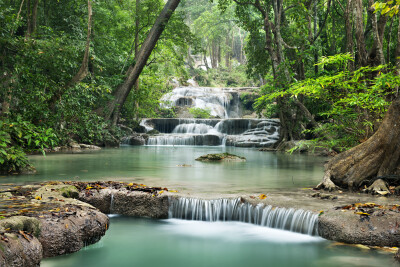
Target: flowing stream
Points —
{"points": [[179, 243], [209, 233]]}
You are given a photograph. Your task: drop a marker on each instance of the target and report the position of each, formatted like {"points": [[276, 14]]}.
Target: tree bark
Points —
{"points": [[359, 27], [378, 156], [349, 34], [379, 58], [122, 91]]}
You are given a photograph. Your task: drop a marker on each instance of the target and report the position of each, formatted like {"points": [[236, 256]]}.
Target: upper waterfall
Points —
{"points": [[221, 102]]}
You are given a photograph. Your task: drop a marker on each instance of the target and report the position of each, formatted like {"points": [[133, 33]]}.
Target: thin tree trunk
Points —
{"points": [[388, 42], [349, 34], [359, 27], [83, 71], [137, 25], [379, 56], [315, 34], [397, 53], [34, 16], [122, 91]]}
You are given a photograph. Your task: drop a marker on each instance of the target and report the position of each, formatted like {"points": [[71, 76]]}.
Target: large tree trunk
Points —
{"points": [[122, 91], [378, 156]]}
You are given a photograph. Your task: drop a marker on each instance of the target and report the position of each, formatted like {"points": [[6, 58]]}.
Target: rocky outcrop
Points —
{"points": [[69, 232], [136, 139], [130, 203], [221, 157], [57, 224], [18, 248]]}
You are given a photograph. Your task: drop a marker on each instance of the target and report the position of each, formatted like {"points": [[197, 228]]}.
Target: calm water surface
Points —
{"points": [[177, 243], [160, 166], [144, 242]]}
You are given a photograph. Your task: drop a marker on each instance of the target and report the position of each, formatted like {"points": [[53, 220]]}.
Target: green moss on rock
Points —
{"points": [[22, 223], [219, 157]]}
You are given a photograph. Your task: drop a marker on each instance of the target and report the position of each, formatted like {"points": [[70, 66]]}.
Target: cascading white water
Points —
{"points": [[299, 221], [216, 100], [230, 132]]}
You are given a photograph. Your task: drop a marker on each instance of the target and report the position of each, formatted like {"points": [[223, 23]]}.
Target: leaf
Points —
{"points": [[130, 184], [162, 191], [262, 196], [88, 187], [173, 191], [38, 198], [321, 212]]}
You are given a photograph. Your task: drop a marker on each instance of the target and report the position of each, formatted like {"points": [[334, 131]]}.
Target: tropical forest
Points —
{"points": [[199, 133]]}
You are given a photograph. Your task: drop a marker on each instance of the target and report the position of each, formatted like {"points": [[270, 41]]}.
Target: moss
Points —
{"points": [[69, 191], [221, 157], [22, 223]]}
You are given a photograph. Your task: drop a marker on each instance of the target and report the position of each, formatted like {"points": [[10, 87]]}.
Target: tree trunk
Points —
{"points": [[379, 58], [397, 53], [349, 34], [378, 156], [83, 71], [359, 27], [137, 25], [122, 91]]}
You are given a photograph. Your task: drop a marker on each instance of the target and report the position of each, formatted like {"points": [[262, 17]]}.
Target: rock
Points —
{"points": [[226, 157], [16, 250], [67, 234], [136, 140], [130, 203], [379, 187], [89, 147]]}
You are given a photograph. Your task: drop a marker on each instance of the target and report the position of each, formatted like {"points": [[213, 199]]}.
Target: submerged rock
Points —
{"points": [[221, 157]]}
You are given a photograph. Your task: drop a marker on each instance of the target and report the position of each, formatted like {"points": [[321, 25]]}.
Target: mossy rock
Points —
{"points": [[221, 157], [22, 223], [153, 132]]}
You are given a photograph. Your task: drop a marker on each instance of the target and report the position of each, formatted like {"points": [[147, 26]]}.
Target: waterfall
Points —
{"points": [[216, 100], [299, 221], [112, 204]]}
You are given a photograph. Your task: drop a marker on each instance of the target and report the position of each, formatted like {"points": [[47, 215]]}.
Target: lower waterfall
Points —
{"points": [[299, 221]]}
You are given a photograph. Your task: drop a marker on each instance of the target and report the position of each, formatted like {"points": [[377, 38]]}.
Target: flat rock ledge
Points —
{"points": [[67, 227]]}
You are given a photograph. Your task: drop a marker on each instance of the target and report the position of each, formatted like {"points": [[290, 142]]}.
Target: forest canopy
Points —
{"points": [[86, 71]]}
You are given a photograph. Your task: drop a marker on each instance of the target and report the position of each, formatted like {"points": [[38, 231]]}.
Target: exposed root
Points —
{"points": [[327, 183], [379, 187]]}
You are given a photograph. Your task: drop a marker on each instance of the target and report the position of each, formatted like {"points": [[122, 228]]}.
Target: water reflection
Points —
{"points": [[162, 166]]}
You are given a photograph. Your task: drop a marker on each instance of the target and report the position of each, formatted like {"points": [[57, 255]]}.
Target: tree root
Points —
{"points": [[379, 187], [327, 183]]}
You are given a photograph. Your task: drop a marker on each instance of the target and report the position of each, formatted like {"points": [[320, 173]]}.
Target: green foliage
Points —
{"points": [[200, 113], [353, 102], [18, 136]]}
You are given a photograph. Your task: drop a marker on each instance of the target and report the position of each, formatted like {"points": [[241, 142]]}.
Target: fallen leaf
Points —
{"points": [[262, 196], [38, 198]]}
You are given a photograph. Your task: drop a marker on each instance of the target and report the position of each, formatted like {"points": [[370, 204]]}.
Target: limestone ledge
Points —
{"points": [[65, 228], [79, 222]]}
